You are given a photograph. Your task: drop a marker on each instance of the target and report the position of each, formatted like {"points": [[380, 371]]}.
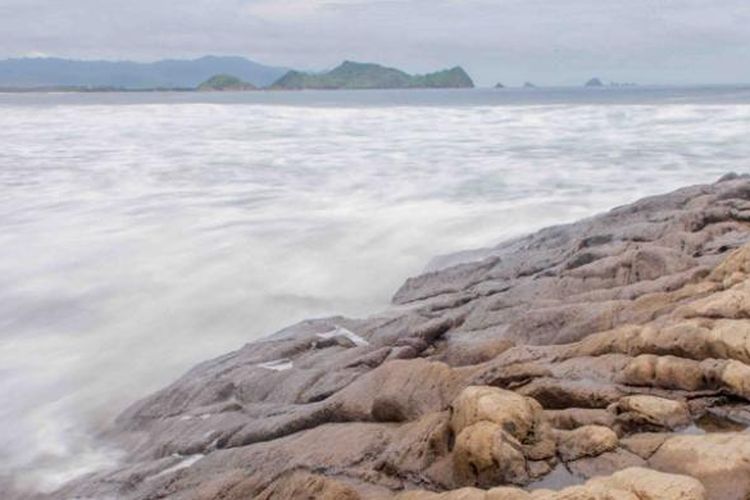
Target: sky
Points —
{"points": [[548, 42]]}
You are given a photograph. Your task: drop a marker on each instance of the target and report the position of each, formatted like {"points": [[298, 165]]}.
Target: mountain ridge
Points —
{"points": [[166, 73]]}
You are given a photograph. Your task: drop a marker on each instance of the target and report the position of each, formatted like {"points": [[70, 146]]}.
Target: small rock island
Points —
{"points": [[355, 75], [594, 82]]}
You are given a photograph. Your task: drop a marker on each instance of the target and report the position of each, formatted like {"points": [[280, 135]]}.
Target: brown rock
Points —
{"points": [[303, 485], [669, 372], [586, 441], [647, 484], [650, 412], [606, 463], [515, 414], [572, 418], [630, 484], [485, 455], [418, 446], [720, 461], [645, 444], [729, 304], [497, 431], [401, 390]]}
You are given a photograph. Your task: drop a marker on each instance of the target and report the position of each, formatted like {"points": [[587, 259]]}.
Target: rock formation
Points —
{"points": [[606, 359]]}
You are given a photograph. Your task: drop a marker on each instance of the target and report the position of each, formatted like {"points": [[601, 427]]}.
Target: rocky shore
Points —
{"points": [[606, 359]]}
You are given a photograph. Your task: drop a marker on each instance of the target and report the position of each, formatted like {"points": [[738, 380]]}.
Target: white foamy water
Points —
{"points": [[139, 239]]}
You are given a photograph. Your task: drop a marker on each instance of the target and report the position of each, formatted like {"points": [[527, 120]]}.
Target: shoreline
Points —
{"points": [[563, 326], [508, 89]]}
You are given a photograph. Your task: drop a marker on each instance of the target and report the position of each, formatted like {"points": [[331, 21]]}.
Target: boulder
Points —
{"points": [[650, 412], [486, 455], [514, 413], [586, 441], [400, 391], [497, 431], [720, 461]]}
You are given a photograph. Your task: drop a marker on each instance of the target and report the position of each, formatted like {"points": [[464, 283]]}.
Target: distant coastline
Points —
{"points": [[209, 74], [237, 74], [89, 90]]}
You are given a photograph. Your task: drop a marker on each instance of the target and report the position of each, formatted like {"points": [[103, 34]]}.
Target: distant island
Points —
{"points": [[499, 86], [529, 85], [208, 74], [623, 84], [355, 75], [598, 83], [594, 82], [223, 83]]}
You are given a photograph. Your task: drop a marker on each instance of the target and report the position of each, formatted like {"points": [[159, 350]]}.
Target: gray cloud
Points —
{"points": [[548, 41]]}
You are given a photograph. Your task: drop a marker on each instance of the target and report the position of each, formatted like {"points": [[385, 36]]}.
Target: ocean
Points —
{"points": [[142, 233]]}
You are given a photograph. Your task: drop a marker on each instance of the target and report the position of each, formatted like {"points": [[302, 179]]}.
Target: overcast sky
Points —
{"points": [[544, 41]]}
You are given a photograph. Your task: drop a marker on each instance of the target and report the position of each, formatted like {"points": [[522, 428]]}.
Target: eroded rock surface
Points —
{"points": [[629, 484], [604, 359]]}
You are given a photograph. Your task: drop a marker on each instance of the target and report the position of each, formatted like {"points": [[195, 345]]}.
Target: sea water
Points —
{"points": [[143, 233]]}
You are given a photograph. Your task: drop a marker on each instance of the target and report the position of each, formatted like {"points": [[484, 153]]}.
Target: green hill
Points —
{"points": [[220, 83], [353, 75]]}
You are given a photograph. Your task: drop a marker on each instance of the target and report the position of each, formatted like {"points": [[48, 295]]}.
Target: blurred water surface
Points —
{"points": [[143, 233]]}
